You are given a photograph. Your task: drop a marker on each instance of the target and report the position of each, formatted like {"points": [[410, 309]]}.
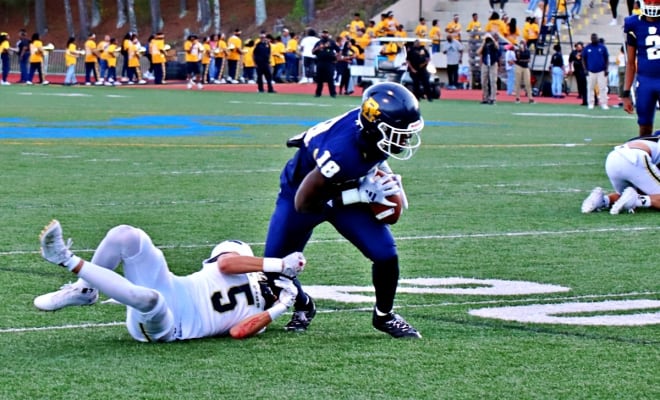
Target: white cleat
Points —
{"points": [[626, 202], [595, 201], [53, 248], [200, 86], [68, 295]]}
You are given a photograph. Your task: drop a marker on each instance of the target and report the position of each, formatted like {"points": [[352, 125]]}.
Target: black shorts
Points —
{"points": [[192, 68]]}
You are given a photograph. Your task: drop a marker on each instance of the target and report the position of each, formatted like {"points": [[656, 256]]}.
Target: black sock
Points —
{"points": [[385, 277]]}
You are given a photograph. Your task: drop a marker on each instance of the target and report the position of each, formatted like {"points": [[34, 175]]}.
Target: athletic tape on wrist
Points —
{"points": [[272, 264], [276, 310]]}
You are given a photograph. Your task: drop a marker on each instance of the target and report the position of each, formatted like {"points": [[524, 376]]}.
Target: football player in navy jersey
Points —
{"points": [[643, 64], [332, 178]]}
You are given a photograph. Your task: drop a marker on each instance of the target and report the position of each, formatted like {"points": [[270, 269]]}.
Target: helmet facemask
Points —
{"points": [[400, 144], [650, 8]]}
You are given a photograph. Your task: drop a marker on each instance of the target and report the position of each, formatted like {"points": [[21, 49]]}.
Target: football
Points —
{"points": [[387, 214]]}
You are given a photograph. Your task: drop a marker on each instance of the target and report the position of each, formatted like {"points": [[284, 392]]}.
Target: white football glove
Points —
{"points": [[289, 291], [374, 189], [293, 264], [404, 198]]}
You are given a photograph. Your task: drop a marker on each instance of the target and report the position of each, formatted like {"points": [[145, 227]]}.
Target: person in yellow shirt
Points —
{"points": [[113, 51], [355, 25], [512, 32], [371, 30], [362, 42], [400, 32], [157, 51], [193, 51], [249, 66], [134, 53], [454, 28], [421, 30], [391, 23], [292, 59], [70, 58], [5, 48], [496, 25], [36, 59], [206, 59], [101, 48], [234, 55], [530, 33], [346, 31], [277, 51], [381, 26], [125, 44], [219, 54], [389, 49], [91, 66], [474, 25], [435, 35]]}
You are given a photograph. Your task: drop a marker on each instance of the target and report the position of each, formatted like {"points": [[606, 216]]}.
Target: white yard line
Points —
{"points": [[415, 237], [364, 309]]}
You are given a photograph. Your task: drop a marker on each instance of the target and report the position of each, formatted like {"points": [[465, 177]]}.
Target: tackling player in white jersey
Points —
{"points": [[633, 171], [226, 297]]}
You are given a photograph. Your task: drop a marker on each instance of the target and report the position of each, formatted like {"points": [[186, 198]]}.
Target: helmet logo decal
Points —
{"points": [[370, 109]]}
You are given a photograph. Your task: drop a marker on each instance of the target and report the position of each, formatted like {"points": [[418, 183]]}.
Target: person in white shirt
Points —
{"points": [[634, 175], [309, 59], [509, 65], [226, 297]]}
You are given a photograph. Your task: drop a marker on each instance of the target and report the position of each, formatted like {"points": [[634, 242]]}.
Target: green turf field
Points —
{"points": [[495, 194]]}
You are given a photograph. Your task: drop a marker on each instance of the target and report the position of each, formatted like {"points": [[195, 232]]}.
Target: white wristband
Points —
{"points": [[272, 264], [276, 310], [350, 196]]}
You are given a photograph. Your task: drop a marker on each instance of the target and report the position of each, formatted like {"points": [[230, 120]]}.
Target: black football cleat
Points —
{"points": [[301, 319], [395, 326]]}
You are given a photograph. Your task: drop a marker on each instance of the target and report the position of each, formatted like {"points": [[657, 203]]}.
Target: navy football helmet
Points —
{"points": [[390, 116]]}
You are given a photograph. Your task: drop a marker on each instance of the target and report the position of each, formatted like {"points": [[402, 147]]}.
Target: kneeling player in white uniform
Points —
{"points": [[634, 174], [226, 296]]}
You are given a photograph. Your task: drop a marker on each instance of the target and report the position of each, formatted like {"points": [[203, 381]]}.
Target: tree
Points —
{"points": [[203, 15], [216, 16], [309, 11], [40, 16], [156, 18], [260, 11], [68, 17], [121, 13], [183, 8], [96, 13], [132, 21], [84, 20]]}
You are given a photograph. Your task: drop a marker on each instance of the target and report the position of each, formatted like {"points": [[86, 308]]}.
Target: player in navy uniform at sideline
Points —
{"points": [[330, 178], [643, 64]]}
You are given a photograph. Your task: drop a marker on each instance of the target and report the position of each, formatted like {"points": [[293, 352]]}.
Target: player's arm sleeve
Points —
{"points": [[631, 39]]}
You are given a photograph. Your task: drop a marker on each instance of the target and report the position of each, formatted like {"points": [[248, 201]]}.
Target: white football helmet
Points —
{"points": [[650, 8], [229, 246]]}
